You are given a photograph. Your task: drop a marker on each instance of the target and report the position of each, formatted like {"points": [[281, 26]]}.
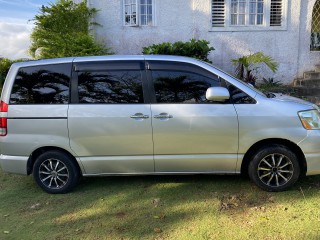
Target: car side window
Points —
{"points": [[237, 96], [110, 86], [45, 84], [177, 86]]}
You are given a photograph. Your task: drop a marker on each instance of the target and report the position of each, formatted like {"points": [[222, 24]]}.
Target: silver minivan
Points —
{"points": [[133, 115]]}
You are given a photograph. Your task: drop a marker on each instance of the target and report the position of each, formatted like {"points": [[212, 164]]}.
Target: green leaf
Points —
{"points": [[62, 30], [246, 65]]}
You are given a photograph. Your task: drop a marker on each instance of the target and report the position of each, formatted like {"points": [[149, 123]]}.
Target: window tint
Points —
{"points": [[237, 96], [110, 87], [182, 86], [47, 84]]}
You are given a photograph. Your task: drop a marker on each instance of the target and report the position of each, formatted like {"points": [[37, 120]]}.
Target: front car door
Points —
{"points": [[109, 122], [190, 133]]}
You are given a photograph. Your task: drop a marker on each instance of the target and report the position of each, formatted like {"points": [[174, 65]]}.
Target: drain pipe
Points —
{"points": [[299, 39]]}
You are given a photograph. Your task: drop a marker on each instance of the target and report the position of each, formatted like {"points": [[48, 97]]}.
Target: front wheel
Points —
{"points": [[274, 168], [55, 172]]}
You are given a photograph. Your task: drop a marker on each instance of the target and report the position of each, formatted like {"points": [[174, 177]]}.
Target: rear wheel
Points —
{"points": [[55, 172], [274, 168]]}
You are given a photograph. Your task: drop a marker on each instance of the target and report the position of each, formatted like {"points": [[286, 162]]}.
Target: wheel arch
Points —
{"points": [[36, 153], [287, 143]]}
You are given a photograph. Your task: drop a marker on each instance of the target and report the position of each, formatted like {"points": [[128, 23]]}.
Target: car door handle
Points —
{"points": [[139, 116], [163, 116]]}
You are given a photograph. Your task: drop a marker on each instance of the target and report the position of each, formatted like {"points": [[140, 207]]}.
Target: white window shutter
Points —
{"points": [[218, 13], [276, 13]]}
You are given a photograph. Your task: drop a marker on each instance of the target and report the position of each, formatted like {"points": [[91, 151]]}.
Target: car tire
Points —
{"points": [[274, 168], [56, 172]]}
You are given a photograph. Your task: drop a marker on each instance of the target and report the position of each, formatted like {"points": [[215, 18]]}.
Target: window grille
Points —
{"points": [[233, 13], [256, 12], [145, 12], [315, 27], [130, 12], [238, 12], [138, 12]]}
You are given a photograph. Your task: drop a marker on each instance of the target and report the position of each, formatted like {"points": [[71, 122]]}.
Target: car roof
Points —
{"points": [[104, 58]]}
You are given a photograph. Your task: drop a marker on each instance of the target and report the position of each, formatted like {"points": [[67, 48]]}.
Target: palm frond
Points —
{"points": [[259, 57], [244, 65]]}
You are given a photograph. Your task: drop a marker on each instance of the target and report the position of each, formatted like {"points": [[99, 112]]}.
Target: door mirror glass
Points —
{"points": [[219, 94]]}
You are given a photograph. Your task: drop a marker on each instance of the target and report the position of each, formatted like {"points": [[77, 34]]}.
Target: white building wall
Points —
{"points": [[181, 20]]}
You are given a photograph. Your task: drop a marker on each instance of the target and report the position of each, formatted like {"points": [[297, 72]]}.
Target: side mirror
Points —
{"points": [[219, 94]]}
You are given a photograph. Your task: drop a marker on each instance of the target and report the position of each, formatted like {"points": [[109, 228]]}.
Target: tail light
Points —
{"points": [[3, 118]]}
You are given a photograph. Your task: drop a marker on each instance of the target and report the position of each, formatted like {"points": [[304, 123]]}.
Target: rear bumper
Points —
{"points": [[14, 164]]}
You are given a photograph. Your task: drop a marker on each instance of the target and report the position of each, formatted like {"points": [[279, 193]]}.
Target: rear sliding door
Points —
{"points": [[109, 123]]}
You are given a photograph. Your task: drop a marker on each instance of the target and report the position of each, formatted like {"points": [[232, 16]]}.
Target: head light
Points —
{"points": [[310, 119]]}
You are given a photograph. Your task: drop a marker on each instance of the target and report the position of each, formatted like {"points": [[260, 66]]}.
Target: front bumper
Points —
{"points": [[313, 163], [311, 149], [14, 164]]}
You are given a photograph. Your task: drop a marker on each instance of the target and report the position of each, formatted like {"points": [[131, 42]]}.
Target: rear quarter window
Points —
{"points": [[45, 84]]}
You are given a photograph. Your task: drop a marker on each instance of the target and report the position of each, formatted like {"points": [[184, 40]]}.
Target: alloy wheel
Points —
{"points": [[275, 170], [53, 173]]}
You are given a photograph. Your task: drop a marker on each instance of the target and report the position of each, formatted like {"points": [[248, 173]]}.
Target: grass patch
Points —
{"points": [[159, 207]]}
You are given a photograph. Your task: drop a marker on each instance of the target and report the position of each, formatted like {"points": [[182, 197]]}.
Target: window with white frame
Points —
{"points": [[138, 12], [248, 13]]}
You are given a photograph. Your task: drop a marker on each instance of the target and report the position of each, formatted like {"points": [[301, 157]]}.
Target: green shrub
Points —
{"points": [[194, 48], [5, 65]]}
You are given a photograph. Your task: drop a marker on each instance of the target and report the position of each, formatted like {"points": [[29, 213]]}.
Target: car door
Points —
{"points": [[190, 133], [109, 122]]}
